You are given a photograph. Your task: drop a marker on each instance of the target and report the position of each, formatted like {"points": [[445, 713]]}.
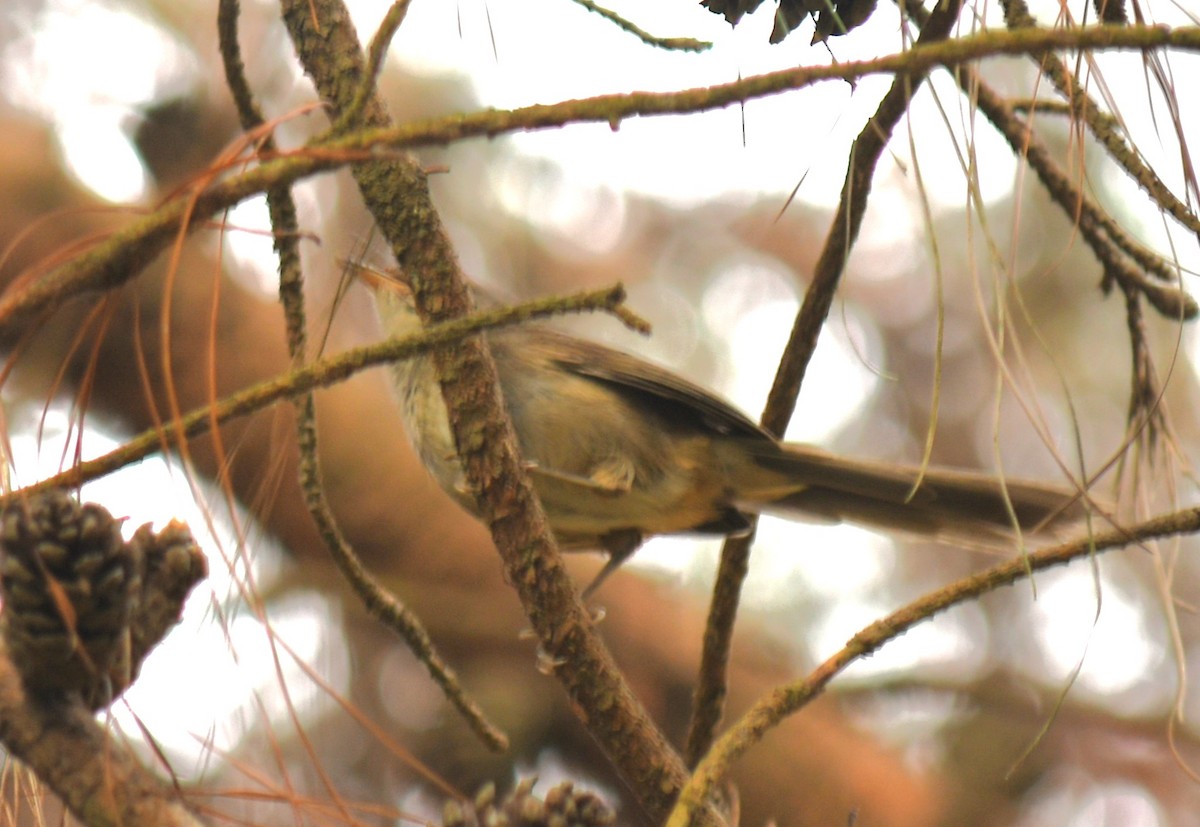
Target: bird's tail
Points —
{"points": [[950, 505]]}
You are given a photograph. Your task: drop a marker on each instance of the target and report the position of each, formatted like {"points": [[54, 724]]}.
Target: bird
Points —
{"points": [[620, 449]]}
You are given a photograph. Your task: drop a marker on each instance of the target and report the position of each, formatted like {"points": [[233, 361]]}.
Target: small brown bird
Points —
{"points": [[620, 450]]}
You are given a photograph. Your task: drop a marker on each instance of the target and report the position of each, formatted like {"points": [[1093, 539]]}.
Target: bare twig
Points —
{"points": [[788, 699], [396, 193], [1044, 106], [1096, 229], [94, 774], [864, 155], [1119, 254], [121, 256], [1102, 125], [1145, 394], [375, 55], [682, 44], [318, 374], [379, 601]]}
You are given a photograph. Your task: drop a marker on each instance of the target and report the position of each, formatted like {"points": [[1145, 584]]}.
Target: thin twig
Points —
{"points": [[1093, 225], [786, 700], [1145, 395], [379, 601], [375, 55], [781, 401], [708, 699], [122, 255], [322, 373], [1102, 125], [682, 44], [1042, 106]]}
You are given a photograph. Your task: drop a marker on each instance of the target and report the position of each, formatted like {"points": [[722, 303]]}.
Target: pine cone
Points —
{"points": [[82, 608], [68, 583], [172, 565], [564, 806]]}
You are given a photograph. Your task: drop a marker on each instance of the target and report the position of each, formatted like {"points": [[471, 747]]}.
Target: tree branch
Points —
{"points": [[786, 700], [396, 193], [802, 343], [122, 255], [94, 774]]}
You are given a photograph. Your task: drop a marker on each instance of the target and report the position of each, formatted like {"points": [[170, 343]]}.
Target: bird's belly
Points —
{"points": [[581, 518], [683, 493]]}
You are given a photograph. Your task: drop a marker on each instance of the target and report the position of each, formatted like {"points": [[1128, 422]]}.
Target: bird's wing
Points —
{"points": [[676, 397]]}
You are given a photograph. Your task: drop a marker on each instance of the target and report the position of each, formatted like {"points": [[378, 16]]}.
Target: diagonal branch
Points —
{"points": [[781, 402], [382, 604], [1103, 128], [764, 716], [396, 193], [121, 256], [317, 374], [96, 775]]}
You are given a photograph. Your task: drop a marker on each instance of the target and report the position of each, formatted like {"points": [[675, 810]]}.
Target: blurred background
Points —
{"points": [[277, 699]]}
